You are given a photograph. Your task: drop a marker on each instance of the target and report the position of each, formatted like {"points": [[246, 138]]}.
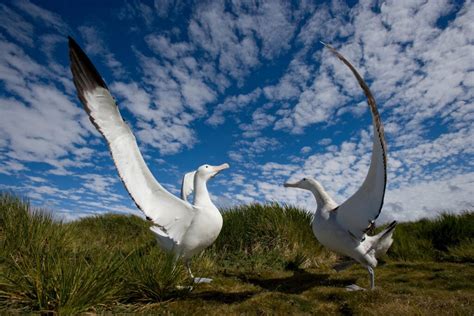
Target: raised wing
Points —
{"points": [[167, 211], [187, 187], [359, 212]]}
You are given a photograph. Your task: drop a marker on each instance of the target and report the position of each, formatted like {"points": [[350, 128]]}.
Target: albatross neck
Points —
{"points": [[323, 200], [201, 195]]}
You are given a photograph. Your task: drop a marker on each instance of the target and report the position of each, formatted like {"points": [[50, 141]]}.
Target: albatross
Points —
{"points": [[344, 228], [180, 227]]}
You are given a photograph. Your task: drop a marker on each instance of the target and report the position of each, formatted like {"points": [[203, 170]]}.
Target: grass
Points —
{"points": [[265, 261]]}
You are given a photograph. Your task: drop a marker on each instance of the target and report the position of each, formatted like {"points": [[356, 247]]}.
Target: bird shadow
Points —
{"points": [[299, 282], [225, 298]]}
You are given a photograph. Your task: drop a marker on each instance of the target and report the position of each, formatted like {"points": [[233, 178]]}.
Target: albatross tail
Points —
{"points": [[383, 240]]}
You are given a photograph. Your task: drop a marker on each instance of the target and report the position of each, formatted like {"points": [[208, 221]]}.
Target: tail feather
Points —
{"points": [[383, 240]]}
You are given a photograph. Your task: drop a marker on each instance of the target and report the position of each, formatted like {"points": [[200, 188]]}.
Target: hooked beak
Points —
{"points": [[218, 169], [290, 185]]}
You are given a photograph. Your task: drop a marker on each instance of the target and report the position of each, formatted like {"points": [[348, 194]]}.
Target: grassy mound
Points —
{"points": [[446, 238], [269, 235], [71, 268]]}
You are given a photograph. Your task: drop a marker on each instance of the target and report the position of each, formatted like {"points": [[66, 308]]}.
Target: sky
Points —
{"points": [[247, 83]]}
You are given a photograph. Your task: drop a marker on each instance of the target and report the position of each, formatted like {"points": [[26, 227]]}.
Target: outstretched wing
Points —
{"points": [[187, 187], [359, 212], [167, 211]]}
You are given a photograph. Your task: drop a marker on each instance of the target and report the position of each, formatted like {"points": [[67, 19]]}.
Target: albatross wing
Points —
{"points": [[187, 186], [171, 214], [359, 212]]}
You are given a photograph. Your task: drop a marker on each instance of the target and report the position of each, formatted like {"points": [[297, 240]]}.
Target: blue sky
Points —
{"points": [[246, 83]]}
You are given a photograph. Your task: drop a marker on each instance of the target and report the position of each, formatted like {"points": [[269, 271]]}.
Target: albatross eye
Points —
{"points": [[304, 179], [207, 166]]}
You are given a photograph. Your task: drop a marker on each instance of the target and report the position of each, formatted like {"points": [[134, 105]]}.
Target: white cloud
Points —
{"points": [[305, 150], [164, 48], [249, 150], [38, 121], [260, 121], [230, 33], [135, 99], [232, 104], [95, 46], [46, 17], [427, 199], [12, 167], [16, 26], [134, 11]]}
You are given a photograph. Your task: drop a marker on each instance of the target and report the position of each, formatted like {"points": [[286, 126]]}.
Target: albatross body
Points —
{"points": [[343, 228], [179, 226]]}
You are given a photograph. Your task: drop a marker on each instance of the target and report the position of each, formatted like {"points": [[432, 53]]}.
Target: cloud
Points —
{"points": [[16, 26], [12, 167], [161, 45], [38, 121], [179, 94], [305, 150], [315, 105], [163, 7], [135, 99], [249, 150], [134, 11], [260, 121], [232, 104], [46, 17], [95, 46], [230, 33], [427, 199]]}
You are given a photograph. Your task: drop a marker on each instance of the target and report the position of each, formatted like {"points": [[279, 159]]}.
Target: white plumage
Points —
{"points": [[187, 186], [343, 228], [180, 227]]}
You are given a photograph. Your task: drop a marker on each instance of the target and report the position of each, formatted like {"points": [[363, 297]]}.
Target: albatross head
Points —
{"points": [[207, 171], [305, 184]]}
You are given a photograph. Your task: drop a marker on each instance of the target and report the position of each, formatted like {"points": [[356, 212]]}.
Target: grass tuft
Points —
{"points": [[151, 275]]}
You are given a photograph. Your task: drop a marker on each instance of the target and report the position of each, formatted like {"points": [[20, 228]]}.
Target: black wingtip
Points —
{"points": [[82, 66], [71, 41]]}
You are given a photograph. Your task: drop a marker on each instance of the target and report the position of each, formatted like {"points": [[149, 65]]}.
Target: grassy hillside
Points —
{"points": [[265, 260]]}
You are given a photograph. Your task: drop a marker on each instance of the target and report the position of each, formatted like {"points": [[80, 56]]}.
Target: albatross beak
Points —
{"points": [[221, 167], [218, 169], [290, 185]]}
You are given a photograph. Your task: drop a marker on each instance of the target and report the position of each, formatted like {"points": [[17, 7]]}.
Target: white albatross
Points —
{"points": [[343, 228], [181, 228]]}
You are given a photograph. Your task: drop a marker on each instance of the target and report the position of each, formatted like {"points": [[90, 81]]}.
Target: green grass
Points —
{"points": [[265, 261], [448, 237]]}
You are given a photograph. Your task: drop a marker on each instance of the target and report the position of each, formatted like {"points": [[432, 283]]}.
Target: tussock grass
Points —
{"points": [[266, 260], [448, 237], [49, 266], [151, 276], [268, 235], [41, 272]]}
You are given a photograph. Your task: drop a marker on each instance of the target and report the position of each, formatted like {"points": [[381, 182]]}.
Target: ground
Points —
{"points": [[402, 288]]}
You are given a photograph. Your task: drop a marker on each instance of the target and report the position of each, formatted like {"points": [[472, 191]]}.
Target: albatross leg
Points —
{"points": [[196, 279], [372, 277], [354, 287], [188, 267]]}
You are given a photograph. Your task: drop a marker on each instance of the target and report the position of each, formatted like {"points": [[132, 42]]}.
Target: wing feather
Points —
{"points": [[359, 211], [167, 211], [187, 187]]}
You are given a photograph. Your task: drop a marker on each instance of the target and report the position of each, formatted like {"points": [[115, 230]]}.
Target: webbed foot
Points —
{"points": [[354, 287], [202, 280]]}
